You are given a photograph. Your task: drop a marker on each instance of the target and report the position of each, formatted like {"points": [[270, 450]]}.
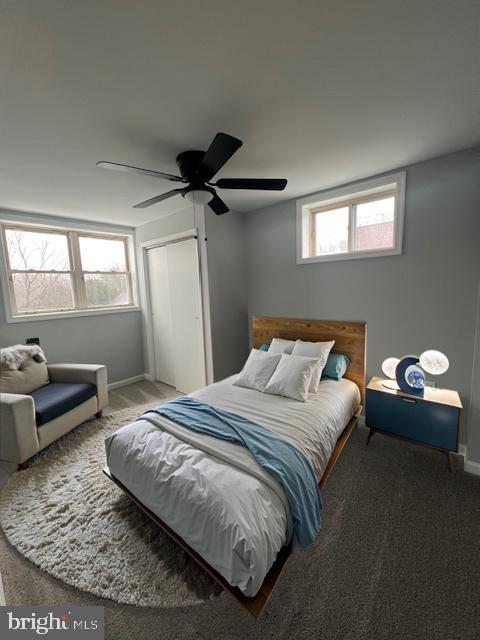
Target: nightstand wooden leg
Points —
{"points": [[370, 435], [449, 461]]}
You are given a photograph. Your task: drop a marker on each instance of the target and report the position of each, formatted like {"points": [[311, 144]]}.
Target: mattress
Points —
{"points": [[212, 492]]}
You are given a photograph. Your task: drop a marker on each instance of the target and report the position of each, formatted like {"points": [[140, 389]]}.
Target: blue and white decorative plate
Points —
{"points": [[415, 377]]}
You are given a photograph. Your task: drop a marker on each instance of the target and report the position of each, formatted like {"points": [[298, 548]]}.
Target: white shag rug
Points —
{"points": [[66, 517]]}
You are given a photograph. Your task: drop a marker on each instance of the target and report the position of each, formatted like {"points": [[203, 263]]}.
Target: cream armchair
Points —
{"points": [[30, 422]]}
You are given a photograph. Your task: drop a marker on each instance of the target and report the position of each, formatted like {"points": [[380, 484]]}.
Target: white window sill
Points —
{"points": [[355, 255], [38, 317]]}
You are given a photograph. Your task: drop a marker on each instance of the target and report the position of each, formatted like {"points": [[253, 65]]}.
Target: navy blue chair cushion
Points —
{"points": [[57, 398]]}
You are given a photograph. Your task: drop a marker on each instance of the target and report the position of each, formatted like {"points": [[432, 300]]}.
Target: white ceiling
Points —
{"points": [[321, 92]]}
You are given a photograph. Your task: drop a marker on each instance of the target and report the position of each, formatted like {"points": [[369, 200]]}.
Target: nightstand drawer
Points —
{"points": [[416, 419]]}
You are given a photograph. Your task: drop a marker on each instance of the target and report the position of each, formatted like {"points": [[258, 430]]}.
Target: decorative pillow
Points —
{"points": [[29, 376], [279, 345], [319, 350], [336, 367], [264, 347], [292, 377], [258, 370]]}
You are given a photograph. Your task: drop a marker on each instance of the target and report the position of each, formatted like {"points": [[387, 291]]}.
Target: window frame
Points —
{"points": [[82, 271], [350, 196], [76, 272]]}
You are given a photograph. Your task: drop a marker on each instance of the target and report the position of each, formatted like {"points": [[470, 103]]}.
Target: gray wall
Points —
{"points": [[228, 291], [425, 298], [113, 339], [473, 442]]}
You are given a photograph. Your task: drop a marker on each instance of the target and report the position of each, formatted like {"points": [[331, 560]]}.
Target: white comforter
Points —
{"points": [[213, 493]]}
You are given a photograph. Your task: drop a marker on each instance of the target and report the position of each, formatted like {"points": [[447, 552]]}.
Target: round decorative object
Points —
{"points": [[434, 362], [410, 378], [388, 367], [415, 376]]}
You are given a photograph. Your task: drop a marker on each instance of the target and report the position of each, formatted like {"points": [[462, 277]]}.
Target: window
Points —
{"points": [[105, 272], [362, 220], [53, 271]]}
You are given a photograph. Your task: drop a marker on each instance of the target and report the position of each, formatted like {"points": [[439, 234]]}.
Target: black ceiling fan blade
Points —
{"points": [[222, 149], [218, 206], [115, 166], [154, 200], [260, 184]]}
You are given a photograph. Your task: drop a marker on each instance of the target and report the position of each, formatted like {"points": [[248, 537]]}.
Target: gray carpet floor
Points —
{"points": [[398, 557]]}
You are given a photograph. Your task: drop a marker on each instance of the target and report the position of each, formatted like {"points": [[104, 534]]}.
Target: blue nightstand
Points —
{"points": [[431, 420]]}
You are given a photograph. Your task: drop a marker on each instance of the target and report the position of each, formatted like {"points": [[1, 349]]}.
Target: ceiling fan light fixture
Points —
{"points": [[199, 196]]}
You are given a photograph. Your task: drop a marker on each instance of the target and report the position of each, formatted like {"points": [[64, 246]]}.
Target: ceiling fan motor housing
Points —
{"points": [[188, 163]]}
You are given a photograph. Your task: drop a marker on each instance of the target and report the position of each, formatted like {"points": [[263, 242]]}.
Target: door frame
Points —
{"points": [[145, 300]]}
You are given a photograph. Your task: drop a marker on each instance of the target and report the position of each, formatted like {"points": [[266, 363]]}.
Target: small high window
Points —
{"points": [[363, 220]]}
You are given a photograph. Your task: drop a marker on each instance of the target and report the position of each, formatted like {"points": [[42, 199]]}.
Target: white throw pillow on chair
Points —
{"points": [[292, 377], [319, 350], [257, 370]]}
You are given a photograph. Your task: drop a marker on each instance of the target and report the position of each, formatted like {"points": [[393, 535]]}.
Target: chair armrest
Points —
{"points": [[93, 373], [18, 430]]}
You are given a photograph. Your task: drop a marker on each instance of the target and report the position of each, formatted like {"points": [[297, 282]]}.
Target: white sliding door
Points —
{"points": [[163, 355], [185, 300], [177, 315]]}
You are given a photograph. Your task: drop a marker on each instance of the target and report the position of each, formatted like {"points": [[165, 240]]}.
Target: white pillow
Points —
{"points": [[318, 350], [292, 377], [257, 370], [279, 345]]}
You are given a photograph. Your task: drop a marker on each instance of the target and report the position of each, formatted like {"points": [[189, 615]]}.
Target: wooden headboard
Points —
{"points": [[350, 339]]}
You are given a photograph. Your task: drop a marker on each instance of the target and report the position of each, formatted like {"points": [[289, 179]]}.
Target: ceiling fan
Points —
{"points": [[197, 169]]}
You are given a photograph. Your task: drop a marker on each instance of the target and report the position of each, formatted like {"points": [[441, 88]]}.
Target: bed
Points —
{"points": [[211, 496]]}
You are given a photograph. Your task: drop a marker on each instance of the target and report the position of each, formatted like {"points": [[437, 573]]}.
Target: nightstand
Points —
{"points": [[431, 420]]}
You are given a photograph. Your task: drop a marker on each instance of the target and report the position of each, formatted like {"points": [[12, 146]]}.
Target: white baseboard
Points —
{"points": [[472, 467], [123, 383], [468, 465]]}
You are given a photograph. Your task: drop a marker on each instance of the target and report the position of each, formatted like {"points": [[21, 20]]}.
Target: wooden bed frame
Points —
{"points": [[350, 339]]}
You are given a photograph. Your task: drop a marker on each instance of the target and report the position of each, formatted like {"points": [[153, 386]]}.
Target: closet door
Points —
{"points": [[186, 315], [161, 315]]}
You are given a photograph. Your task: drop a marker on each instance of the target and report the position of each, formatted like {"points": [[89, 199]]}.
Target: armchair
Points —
{"points": [[30, 422]]}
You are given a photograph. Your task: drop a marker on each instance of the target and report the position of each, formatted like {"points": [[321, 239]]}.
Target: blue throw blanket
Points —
{"points": [[277, 456]]}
